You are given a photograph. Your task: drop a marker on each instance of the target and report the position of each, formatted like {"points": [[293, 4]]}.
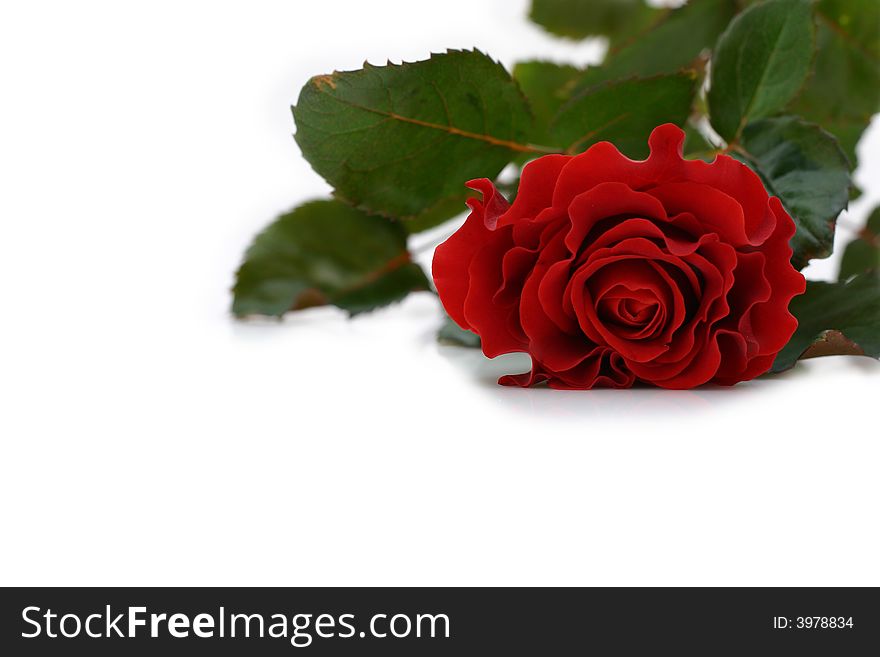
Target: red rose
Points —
{"points": [[607, 271]]}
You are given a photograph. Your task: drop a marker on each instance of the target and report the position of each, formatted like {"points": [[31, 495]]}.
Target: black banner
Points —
{"points": [[438, 621]]}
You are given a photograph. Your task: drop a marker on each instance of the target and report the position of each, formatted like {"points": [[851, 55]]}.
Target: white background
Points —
{"points": [[147, 438]]}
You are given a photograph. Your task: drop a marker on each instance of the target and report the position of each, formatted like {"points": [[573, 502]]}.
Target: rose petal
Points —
{"points": [[452, 258], [602, 162], [604, 201], [486, 319], [535, 192]]}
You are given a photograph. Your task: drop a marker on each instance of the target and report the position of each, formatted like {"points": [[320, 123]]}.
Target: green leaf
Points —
{"points": [[442, 211], [760, 62], [844, 90], [547, 86], [325, 252], [397, 139], [623, 113], [696, 145], [672, 43], [834, 319], [848, 135], [802, 165], [854, 191], [863, 253], [577, 19], [452, 334]]}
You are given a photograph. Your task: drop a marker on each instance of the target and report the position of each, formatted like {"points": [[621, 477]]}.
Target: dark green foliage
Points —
{"points": [[325, 252], [863, 253], [397, 139], [673, 42], [547, 87], [759, 63], [835, 318], [802, 165], [577, 19], [843, 92], [623, 112]]}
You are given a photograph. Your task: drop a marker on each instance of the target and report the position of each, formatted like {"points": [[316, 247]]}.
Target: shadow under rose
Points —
{"points": [[602, 402]]}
